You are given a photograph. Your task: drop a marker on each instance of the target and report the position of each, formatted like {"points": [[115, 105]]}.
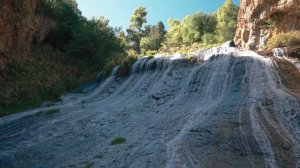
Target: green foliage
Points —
{"points": [[118, 140], [227, 21], [80, 48], [209, 38], [87, 42], [284, 39], [40, 77], [201, 28], [192, 59], [125, 66], [154, 37], [68, 16], [174, 35], [151, 54], [17, 107], [190, 30], [138, 18], [135, 32], [184, 49], [267, 24]]}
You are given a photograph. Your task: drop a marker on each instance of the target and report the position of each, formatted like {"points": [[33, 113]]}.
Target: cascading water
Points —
{"points": [[279, 52], [227, 109]]}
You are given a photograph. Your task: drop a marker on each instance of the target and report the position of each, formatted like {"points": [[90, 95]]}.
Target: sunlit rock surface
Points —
{"points": [[229, 108], [258, 20]]}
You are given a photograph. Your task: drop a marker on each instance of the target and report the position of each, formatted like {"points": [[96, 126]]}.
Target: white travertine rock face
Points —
{"points": [[226, 108], [253, 28]]}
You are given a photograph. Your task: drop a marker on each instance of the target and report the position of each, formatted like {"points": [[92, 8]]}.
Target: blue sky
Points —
{"points": [[119, 11]]}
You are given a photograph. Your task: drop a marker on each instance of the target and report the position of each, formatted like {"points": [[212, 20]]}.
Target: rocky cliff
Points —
{"points": [[20, 24], [228, 108], [260, 19]]}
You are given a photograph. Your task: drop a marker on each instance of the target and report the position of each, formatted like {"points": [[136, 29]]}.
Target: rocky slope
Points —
{"points": [[260, 19], [20, 24], [230, 108]]}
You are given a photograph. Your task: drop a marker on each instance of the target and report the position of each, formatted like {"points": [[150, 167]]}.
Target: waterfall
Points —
{"points": [[279, 52], [223, 108]]}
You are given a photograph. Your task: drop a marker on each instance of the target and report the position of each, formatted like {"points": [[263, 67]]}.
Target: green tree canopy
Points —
{"points": [[212, 28], [138, 18], [154, 37], [190, 29], [227, 21], [87, 42], [135, 32]]}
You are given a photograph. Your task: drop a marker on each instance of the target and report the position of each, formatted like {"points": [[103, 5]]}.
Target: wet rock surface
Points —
{"points": [[229, 109]]}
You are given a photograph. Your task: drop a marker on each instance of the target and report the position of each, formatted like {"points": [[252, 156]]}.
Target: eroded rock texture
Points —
{"points": [[232, 108], [260, 19], [20, 24]]}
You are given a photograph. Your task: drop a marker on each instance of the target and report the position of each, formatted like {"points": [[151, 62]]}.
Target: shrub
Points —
{"points": [[284, 39], [150, 57], [118, 140], [151, 53], [70, 82], [209, 38], [125, 66], [268, 23], [192, 59], [57, 89]]}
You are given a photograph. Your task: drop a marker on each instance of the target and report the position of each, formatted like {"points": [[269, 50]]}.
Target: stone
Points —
{"points": [[20, 25], [259, 20]]}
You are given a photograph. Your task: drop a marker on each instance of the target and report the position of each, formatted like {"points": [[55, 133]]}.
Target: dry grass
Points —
{"points": [[284, 39]]}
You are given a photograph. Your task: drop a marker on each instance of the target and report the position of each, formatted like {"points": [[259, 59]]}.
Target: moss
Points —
{"points": [[118, 140], [89, 165], [52, 112], [192, 59]]}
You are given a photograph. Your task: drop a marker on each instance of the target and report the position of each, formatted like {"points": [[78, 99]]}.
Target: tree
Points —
{"points": [[138, 18], [204, 28], [154, 37], [87, 42], [135, 32], [227, 21], [190, 29], [173, 37], [161, 31], [67, 15]]}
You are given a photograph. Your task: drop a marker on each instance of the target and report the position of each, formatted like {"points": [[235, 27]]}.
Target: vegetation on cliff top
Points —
{"points": [[197, 31], [71, 54], [77, 49]]}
